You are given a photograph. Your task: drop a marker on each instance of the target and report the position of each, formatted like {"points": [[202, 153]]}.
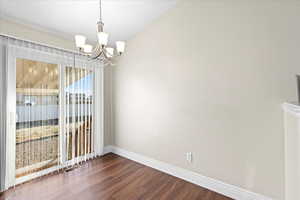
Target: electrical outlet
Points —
{"points": [[189, 157]]}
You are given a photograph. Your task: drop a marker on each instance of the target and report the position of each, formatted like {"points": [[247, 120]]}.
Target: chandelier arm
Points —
{"points": [[95, 57], [112, 55], [105, 53], [117, 55], [81, 52], [96, 49], [96, 52], [98, 55]]}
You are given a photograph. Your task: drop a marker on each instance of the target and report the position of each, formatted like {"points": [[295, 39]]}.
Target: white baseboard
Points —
{"points": [[107, 149], [228, 190]]}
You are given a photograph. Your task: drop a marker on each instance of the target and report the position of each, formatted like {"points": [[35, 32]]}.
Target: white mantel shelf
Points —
{"points": [[292, 108], [292, 150]]}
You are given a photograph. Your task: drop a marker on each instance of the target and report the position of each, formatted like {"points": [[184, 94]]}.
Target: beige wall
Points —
{"points": [[108, 129], [27, 32], [31, 33], [209, 78]]}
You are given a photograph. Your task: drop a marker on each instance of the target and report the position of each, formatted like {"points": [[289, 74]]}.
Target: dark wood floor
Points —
{"points": [[110, 177]]}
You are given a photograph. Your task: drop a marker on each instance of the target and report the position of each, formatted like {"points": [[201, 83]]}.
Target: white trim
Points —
{"points": [[203, 181], [35, 175], [52, 169], [98, 110], [11, 118], [33, 166], [62, 154], [3, 114]]}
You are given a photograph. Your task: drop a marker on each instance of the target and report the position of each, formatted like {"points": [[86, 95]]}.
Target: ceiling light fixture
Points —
{"points": [[101, 51]]}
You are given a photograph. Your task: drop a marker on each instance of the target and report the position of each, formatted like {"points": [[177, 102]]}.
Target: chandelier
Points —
{"points": [[101, 51]]}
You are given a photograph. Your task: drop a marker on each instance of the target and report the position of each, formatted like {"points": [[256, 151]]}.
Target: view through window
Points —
{"points": [[79, 111], [38, 110], [37, 125]]}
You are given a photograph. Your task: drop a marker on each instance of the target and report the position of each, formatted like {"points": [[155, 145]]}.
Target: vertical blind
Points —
{"points": [[3, 44], [79, 96], [54, 99]]}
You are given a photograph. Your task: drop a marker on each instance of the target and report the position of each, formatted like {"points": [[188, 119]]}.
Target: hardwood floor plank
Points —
{"points": [[110, 177]]}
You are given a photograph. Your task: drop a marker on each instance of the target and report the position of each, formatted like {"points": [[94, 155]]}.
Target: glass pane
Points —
{"points": [[37, 125], [79, 109]]}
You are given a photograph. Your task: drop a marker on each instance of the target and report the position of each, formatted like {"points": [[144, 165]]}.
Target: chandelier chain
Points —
{"points": [[100, 7]]}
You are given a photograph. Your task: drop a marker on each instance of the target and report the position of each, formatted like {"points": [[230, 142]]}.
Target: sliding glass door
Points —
{"points": [[51, 100], [51, 112], [37, 109], [40, 133]]}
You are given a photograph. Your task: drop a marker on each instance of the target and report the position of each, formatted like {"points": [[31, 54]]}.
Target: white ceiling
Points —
{"points": [[122, 18]]}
